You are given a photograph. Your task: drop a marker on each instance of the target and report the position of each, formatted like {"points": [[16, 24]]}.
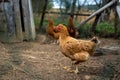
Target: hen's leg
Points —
{"points": [[76, 70], [80, 57], [76, 67]]}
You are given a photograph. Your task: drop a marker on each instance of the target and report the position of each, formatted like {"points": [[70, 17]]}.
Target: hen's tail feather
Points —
{"points": [[71, 25], [95, 40], [50, 21]]}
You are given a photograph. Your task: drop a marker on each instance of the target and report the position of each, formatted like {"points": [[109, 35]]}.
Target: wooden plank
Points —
{"points": [[97, 12], [3, 26], [32, 25], [25, 15], [17, 18], [9, 14], [28, 20]]}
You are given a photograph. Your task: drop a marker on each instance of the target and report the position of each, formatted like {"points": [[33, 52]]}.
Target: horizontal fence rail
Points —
{"points": [[80, 14]]}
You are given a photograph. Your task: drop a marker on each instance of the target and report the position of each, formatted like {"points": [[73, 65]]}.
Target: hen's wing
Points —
{"points": [[76, 49], [74, 46], [81, 56]]}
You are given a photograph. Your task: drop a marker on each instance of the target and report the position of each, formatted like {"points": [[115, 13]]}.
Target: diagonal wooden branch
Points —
{"points": [[95, 13]]}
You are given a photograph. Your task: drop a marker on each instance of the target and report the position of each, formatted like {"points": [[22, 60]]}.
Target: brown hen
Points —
{"points": [[76, 50], [50, 30]]}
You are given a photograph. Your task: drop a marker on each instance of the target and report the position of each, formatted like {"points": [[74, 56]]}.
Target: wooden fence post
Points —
{"points": [[8, 9], [28, 19], [17, 16], [32, 25]]}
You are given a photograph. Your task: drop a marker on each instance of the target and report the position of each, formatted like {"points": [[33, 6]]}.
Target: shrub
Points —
{"points": [[119, 32], [105, 27], [84, 31]]}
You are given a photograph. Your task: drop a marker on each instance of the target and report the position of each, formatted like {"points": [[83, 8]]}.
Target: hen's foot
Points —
{"points": [[68, 69], [76, 71]]}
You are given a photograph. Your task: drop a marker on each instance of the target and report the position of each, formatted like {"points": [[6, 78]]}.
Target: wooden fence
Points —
{"points": [[16, 21]]}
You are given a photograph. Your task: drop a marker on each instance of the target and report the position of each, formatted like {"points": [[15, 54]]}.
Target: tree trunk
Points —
{"points": [[78, 9], [61, 10], [43, 14], [73, 8], [93, 28], [37, 3], [116, 21], [116, 25], [104, 16]]}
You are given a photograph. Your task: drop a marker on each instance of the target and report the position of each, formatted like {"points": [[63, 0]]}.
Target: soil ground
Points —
{"points": [[44, 61]]}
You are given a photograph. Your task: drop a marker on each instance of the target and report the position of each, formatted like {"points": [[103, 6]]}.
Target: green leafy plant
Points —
{"points": [[105, 27], [84, 30]]}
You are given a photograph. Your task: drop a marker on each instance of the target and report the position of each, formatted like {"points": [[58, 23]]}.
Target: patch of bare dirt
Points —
{"points": [[38, 61]]}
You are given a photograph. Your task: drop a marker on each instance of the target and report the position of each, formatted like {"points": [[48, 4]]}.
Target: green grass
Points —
{"points": [[37, 21], [105, 27], [45, 22], [102, 29], [84, 30]]}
